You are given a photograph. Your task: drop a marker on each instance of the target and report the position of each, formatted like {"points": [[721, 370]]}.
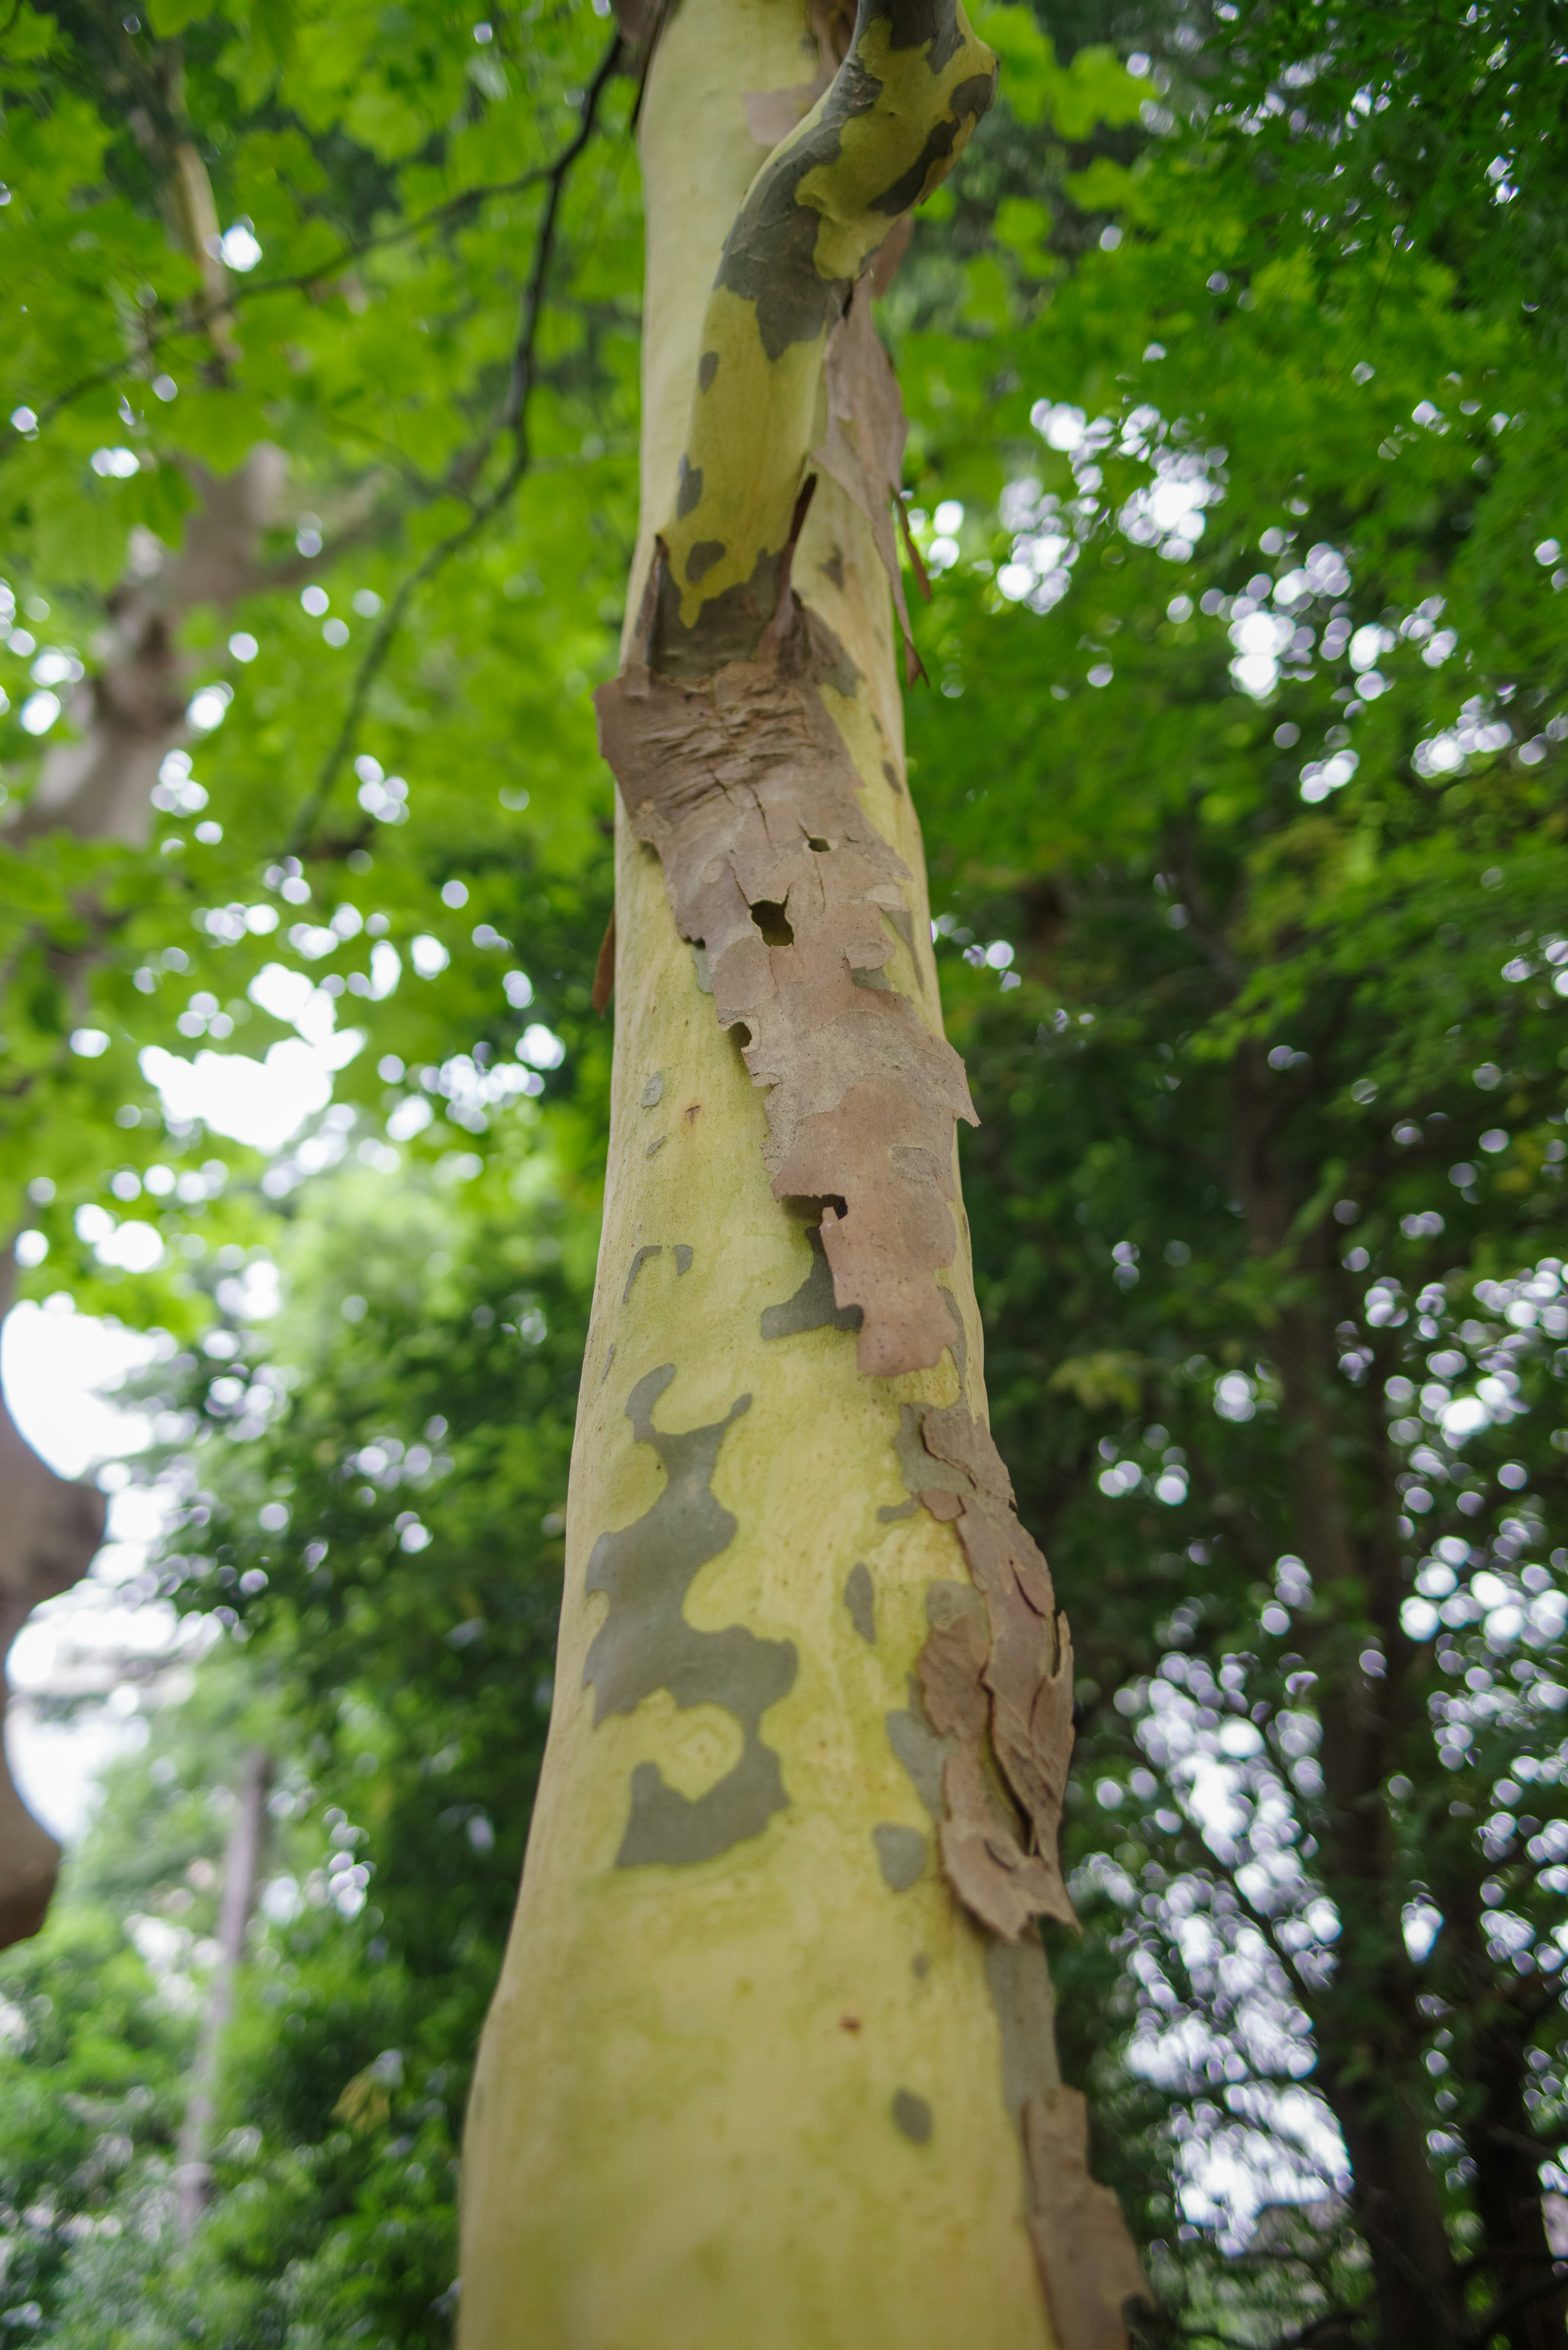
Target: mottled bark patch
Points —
{"points": [[731, 780], [645, 1644]]}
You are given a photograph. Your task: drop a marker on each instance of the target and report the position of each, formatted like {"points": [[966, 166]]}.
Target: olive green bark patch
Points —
{"points": [[645, 1644], [860, 1598], [813, 1306], [912, 2115], [901, 1854]]}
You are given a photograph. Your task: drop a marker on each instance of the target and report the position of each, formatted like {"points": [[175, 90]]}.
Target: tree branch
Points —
{"points": [[511, 418]]}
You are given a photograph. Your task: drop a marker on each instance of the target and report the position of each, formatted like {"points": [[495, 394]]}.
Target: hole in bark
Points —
{"points": [[811, 842], [773, 922], [808, 1206]]}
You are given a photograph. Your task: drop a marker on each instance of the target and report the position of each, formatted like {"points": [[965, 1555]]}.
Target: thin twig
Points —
{"points": [[513, 419], [195, 319]]}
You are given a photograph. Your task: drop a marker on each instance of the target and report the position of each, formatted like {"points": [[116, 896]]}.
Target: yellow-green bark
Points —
{"points": [[765, 2098]]}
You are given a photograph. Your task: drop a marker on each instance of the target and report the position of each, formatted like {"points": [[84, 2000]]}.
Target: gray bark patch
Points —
{"points": [[919, 1750], [890, 1512], [653, 1093], [813, 1306], [900, 1855], [690, 493], [1020, 1984], [860, 1598], [683, 1256], [654, 1248], [701, 559], [912, 2115], [645, 1644]]}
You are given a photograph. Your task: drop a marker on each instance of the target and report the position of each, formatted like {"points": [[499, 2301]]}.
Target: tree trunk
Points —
{"points": [[1496, 2013], [1364, 2020], [98, 786], [241, 1863], [49, 1528], [753, 2074]]}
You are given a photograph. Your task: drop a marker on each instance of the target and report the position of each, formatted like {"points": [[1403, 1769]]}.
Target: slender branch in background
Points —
{"points": [[242, 1863], [197, 318], [512, 418]]}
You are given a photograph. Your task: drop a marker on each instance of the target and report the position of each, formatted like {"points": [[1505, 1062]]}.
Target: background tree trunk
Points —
{"points": [[97, 786], [241, 1863]]}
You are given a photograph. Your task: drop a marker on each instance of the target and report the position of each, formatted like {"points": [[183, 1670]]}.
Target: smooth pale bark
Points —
{"points": [[757, 2098]]}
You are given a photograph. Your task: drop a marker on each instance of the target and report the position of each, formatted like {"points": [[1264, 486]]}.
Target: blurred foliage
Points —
{"points": [[1235, 372]]}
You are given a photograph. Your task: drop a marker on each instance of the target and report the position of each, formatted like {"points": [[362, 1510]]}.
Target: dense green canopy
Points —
{"points": [[1235, 366]]}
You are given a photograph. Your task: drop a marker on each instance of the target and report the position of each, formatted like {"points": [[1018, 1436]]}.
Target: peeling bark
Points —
{"points": [[743, 785], [781, 2072], [997, 1677], [1087, 2264]]}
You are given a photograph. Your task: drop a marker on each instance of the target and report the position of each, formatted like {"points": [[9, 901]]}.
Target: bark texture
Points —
{"points": [[754, 2071]]}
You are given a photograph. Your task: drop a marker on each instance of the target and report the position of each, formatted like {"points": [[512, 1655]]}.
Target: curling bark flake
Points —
{"points": [[768, 2061], [743, 785]]}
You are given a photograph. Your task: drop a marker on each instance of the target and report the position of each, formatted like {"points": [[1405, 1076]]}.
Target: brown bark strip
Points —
{"points": [[1003, 1689], [862, 448], [1087, 2264], [742, 783], [604, 970]]}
